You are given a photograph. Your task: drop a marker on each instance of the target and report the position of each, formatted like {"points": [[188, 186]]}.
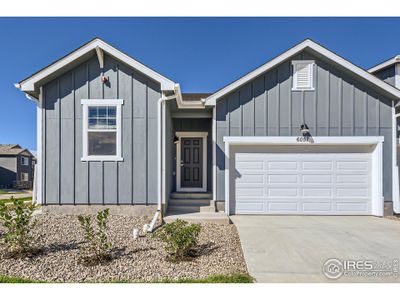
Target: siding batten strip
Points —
{"points": [[340, 105], [74, 139], [44, 142], [87, 163]]}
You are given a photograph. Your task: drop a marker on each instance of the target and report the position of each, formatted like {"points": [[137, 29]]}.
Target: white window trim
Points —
{"points": [[311, 64], [191, 134], [23, 161], [100, 102]]}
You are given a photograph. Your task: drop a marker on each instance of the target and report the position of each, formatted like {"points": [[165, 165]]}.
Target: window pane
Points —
{"points": [[112, 111], [102, 117], [102, 143], [92, 111], [102, 111]]}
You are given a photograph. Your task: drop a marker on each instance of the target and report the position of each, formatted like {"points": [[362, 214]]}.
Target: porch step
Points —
{"points": [[199, 217], [189, 202], [180, 195], [186, 209]]}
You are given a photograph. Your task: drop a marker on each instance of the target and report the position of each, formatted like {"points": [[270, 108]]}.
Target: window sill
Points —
{"points": [[102, 158], [301, 90]]}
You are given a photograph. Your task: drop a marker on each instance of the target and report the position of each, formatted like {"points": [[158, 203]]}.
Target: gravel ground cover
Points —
{"points": [[219, 252]]}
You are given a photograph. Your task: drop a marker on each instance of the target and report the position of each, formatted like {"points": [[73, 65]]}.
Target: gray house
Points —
{"points": [[16, 167], [306, 133]]}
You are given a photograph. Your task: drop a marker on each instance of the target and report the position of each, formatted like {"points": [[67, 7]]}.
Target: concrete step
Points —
{"points": [[184, 209], [180, 195], [199, 217], [189, 202]]}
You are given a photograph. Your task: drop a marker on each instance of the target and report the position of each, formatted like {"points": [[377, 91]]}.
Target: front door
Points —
{"points": [[191, 162]]}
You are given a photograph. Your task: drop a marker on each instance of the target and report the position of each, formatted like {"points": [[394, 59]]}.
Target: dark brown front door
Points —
{"points": [[191, 162]]}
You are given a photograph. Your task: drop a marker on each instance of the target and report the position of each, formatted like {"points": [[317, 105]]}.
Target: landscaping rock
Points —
{"points": [[143, 259]]}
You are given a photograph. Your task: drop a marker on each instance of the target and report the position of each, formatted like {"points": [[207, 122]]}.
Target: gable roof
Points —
{"points": [[211, 100], [385, 64], [10, 149], [30, 84]]}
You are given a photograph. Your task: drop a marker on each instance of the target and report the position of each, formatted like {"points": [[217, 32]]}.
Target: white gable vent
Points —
{"points": [[303, 74]]}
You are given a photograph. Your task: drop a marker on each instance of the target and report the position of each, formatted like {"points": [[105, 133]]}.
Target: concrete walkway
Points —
{"points": [[17, 195], [295, 248]]}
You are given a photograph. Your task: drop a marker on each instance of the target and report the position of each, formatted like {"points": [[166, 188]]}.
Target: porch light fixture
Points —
{"points": [[176, 139], [305, 131]]}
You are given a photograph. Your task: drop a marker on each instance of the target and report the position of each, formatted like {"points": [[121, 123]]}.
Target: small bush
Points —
{"points": [[17, 219], [180, 238], [96, 248]]}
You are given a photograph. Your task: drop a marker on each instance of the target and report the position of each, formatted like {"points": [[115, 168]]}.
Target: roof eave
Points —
{"points": [[29, 85], [385, 64]]}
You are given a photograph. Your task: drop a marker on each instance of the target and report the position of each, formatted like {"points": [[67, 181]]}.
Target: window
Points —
{"points": [[303, 75], [24, 160], [101, 129], [24, 176]]}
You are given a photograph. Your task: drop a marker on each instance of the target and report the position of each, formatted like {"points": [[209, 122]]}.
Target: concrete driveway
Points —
{"points": [[295, 248]]}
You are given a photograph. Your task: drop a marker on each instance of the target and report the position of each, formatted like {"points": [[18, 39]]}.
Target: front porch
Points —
{"points": [[188, 166]]}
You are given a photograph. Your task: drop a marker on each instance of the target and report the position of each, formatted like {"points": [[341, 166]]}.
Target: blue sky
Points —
{"points": [[202, 54]]}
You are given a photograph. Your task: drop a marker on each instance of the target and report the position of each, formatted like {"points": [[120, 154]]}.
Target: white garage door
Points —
{"points": [[303, 183]]}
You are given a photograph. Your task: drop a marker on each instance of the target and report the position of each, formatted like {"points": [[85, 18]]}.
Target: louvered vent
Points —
{"points": [[302, 75]]}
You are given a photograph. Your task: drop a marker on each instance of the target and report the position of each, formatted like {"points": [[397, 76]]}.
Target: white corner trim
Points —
{"points": [[385, 64], [28, 84], [214, 153], [211, 100], [39, 158], [101, 102], [377, 159], [191, 134]]}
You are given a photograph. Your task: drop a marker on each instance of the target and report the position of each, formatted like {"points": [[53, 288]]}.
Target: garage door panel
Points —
{"points": [[317, 165], [250, 206], [282, 165], [245, 179], [309, 207], [282, 178], [282, 207], [249, 191], [350, 179], [282, 192], [317, 192], [353, 207], [303, 183], [317, 179]]}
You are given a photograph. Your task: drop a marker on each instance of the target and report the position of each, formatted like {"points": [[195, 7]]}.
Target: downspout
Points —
{"points": [[160, 168], [396, 189]]}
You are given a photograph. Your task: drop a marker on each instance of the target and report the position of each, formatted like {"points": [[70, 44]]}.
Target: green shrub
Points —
{"points": [[17, 219], [96, 248], [180, 238]]}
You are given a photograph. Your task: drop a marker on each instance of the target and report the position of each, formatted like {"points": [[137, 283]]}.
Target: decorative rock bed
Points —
{"points": [[59, 236]]}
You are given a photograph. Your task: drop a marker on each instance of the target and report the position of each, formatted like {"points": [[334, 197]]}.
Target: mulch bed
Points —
{"points": [[144, 259]]}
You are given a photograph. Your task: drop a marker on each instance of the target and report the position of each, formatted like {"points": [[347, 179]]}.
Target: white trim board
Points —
{"points": [[377, 164], [191, 134], [29, 84], [211, 100]]}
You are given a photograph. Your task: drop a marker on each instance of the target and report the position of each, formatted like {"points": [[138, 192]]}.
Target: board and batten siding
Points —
{"points": [[67, 179], [339, 106]]}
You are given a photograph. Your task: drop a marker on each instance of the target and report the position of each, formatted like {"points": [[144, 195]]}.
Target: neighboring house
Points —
{"points": [[16, 167], [112, 131]]}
